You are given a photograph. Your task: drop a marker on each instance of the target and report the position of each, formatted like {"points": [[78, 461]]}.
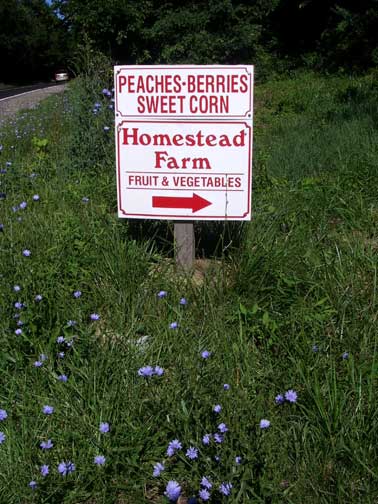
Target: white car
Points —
{"points": [[61, 76]]}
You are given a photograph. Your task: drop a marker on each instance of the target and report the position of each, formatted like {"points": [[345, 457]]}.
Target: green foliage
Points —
{"points": [[218, 32], [91, 147], [332, 120], [351, 38], [304, 274], [275, 35], [32, 41], [115, 27]]}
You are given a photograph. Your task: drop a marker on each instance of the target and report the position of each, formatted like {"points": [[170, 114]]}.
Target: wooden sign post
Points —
{"points": [[185, 245]]}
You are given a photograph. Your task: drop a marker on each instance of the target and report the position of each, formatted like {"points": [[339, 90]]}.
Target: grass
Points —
{"points": [[293, 305]]}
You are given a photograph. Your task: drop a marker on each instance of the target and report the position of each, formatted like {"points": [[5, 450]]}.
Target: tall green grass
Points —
{"points": [[292, 306]]}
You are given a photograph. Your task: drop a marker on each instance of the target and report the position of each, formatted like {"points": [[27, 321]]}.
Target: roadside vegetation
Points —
{"points": [[38, 37], [123, 380]]}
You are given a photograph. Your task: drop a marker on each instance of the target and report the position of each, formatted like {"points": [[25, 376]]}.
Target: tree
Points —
{"points": [[351, 37], [114, 27], [335, 33], [32, 40], [151, 31]]}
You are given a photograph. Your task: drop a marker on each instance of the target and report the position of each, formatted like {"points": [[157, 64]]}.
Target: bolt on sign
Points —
{"points": [[184, 142]]}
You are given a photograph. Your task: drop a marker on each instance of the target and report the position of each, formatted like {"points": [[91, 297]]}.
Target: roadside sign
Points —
{"points": [[178, 162], [184, 91], [178, 170]]}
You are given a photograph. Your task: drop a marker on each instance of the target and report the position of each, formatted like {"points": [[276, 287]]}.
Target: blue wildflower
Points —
{"points": [[65, 468], [173, 447], [48, 410], [279, 399], [159, 371], [204, 494], [291, 396], [192, 453], [205, 482], [46, 445], [146, 371], [172, 490], [104, 427], [264, 424], [44, 470], [225, 488], [158, 469], [222, 427], [99, 460]]}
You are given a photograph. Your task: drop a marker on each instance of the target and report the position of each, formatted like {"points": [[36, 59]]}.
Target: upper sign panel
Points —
{"points": [[184, 91]]}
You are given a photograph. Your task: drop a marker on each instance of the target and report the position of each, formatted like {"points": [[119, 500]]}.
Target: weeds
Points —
{"points": [[123, 381]]}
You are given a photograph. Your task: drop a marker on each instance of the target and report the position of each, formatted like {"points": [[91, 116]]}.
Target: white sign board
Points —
{"points": [[184, 142]]}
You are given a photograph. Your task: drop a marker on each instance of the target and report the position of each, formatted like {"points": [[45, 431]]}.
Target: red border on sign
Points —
{"points": [[187, 67], [193, 216]]}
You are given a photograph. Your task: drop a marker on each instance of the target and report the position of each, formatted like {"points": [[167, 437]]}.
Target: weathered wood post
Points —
{"points": [[185, 246]]}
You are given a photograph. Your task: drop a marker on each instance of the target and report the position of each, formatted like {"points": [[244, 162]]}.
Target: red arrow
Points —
{"points": [[195, 202]]}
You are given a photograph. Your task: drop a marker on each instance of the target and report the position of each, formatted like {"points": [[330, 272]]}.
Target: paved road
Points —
{"points": [[25, 98], [12, 91]]}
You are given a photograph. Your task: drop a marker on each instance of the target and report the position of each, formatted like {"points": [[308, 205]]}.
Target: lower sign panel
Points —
{"points": [[184, 170]]}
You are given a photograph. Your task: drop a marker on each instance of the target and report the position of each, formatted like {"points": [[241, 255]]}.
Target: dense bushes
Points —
{"points": [[276, 35]]}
